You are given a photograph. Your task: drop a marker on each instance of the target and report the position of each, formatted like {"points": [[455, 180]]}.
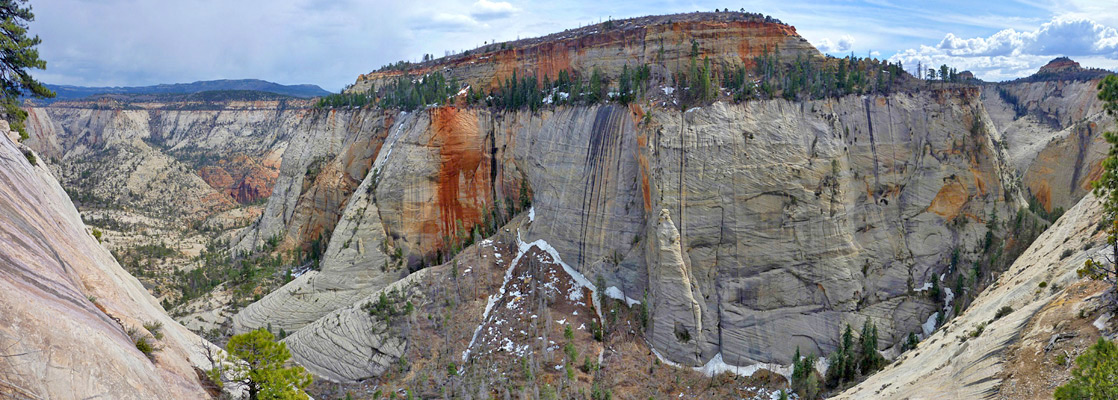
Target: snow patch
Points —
{"points": [[531, 214], [930, 325], [717, 366], [668, 90], [614, 293]]}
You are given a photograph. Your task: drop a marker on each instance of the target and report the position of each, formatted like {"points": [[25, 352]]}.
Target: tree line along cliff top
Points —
{"points": [[633, 33]]}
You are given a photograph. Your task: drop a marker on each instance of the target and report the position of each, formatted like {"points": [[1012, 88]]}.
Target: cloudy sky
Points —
{"points": [[330, 42]]}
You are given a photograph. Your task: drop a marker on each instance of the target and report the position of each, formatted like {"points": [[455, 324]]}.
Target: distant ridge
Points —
{"points": [[67, 92], [1064, 68]]}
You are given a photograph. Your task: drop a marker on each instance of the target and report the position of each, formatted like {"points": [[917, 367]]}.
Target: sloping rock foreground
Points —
{"points": [[956, 362], [66, 304]]}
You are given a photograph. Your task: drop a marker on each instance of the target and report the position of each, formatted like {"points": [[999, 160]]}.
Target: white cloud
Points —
{"points": [[845, 43], [488, 10], [1011, 54], [446, 22]]}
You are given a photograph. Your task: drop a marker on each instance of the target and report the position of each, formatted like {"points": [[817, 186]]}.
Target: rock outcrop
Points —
{"points": [[67, 304], [677, 312]]}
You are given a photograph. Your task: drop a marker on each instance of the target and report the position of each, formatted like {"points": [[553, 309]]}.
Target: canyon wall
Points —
{"points": [[771, 216]]}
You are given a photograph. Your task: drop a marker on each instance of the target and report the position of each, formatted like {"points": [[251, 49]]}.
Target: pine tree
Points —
{"points": [[871, 360], [260, 367]]}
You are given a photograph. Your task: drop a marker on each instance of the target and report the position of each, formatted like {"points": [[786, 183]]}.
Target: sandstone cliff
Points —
{"points": [[67, 304], [791, 217]]}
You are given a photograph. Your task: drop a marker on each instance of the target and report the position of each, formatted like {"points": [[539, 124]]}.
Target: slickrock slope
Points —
{"points": [[66, 304], [956, 363], [726, 38]]}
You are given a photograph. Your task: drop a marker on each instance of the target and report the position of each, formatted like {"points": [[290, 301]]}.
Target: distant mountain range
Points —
{"points": [[67, 92]]}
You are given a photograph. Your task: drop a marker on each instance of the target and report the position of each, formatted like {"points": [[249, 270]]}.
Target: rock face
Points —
{"points": [[677, 312], [66, 304], [955, 363], [326, 157], [1052, 130]]}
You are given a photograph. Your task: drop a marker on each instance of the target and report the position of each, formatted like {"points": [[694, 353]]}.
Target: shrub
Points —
{"points": [[978, 330], [140, 339], [1093, 376], [569, 350], [144, 346], [1043, 284], [1005, 310], [97, 234], [155, 328], [31, 158]]}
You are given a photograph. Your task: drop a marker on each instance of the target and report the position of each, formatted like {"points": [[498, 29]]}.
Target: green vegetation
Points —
{"points": [[911, 342], [1106, 189], [343, 99], [385, 308], [143, 342], [30, 158], [258, 363], [18, 53], [851, 361], [155, 328], [267, 268], [699, 89], [408, 93], [805, 381], [1005, 310], [1038, 209], [806, 79], [1094, 374], [97, 234]]}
